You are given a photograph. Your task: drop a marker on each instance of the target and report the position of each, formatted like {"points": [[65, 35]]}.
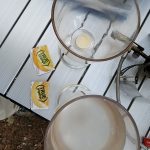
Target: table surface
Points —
{"points": [[26, 24]]}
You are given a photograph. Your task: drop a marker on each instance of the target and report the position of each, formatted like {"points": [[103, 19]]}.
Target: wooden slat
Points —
{"points": [[21, 40], [9, 8], [144, 6], [140, 111], [148, 133], [145, 89], [99, 75], [141, 108]]}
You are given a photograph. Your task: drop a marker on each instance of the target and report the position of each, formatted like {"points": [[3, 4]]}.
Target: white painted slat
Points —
{"points": [[143, 38], [148, 134], [20, 91], [141, 108], [99, 75], [140, 111], [22, 39], [9, 11], [144, 6]]}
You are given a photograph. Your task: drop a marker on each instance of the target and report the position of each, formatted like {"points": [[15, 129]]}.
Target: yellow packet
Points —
{"points": [[39, 95], [42, 60]]}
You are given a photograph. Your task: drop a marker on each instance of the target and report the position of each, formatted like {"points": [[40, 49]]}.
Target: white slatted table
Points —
{"points": [[25, 24]]}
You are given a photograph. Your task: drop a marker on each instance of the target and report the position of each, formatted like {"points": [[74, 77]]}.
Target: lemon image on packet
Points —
{"points": [[42, 60], [39, 95]]}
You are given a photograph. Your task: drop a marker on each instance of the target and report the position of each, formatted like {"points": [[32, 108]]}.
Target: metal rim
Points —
{"points": [[91, 59], [103, 99]]}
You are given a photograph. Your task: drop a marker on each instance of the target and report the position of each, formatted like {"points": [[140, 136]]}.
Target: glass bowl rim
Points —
{"points": [[102, 98], [93, 59]]}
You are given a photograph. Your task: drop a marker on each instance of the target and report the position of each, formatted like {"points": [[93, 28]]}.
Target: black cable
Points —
{"points": [[123, 71]]}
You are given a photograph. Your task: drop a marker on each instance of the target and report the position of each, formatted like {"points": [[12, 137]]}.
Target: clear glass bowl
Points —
{"points": [[94, 30], [92, 122]]}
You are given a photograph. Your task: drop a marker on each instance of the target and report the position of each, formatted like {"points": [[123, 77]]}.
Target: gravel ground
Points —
{"points": [[22, 132]]}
